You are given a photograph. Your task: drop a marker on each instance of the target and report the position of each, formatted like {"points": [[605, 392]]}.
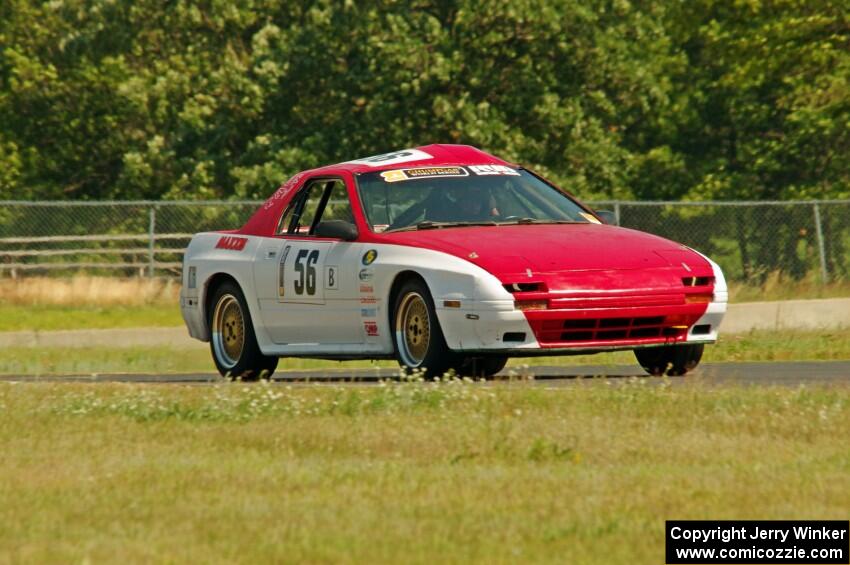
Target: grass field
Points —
{"points": [[755, 346], [405, 473], [45, 304], [49, 317]]}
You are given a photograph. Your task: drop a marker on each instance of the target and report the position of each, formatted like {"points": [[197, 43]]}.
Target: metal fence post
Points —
{"points": [[151, 241], [821, 249], [617, 212]]}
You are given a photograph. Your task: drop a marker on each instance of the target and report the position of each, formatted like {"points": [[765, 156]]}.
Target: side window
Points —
{"points": [[305, 211], [321, 199], [283, 225], [338, 206]]}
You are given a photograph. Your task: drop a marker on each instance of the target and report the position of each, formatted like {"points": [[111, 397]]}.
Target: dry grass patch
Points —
{"points": [[88, 291], [777, 286], [83, 302], [411, 472]]}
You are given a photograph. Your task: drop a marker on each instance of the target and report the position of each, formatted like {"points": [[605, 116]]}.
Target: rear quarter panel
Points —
{"points": [[207, 256]]}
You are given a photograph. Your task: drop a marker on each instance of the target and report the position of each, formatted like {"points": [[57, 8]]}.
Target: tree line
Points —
{"points": [[652, 99]]}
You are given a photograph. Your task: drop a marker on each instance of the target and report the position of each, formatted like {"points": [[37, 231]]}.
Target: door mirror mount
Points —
{"points": [[337, 229]]}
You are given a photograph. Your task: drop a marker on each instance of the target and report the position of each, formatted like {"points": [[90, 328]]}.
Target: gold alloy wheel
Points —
{"points": [[228, 331], [413, 329]]}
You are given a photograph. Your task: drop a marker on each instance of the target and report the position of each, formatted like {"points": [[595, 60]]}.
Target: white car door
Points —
{"points": [[308, 298]]}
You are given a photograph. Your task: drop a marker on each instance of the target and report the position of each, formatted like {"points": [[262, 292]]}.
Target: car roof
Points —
{"points": [[264, 220], [436, 154]]}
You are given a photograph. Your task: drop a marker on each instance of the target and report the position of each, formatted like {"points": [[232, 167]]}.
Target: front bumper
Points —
{"points": [[497, 327]]}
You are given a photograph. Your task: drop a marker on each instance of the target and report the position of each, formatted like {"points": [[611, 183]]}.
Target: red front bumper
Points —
{"points": [[613, 326]]}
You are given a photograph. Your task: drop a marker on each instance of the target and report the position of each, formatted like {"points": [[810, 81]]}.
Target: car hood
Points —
{"points": [[532, 250]]}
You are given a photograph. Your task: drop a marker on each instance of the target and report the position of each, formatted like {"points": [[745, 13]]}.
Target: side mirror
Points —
{"points": [[337, 229], [607, 216]]}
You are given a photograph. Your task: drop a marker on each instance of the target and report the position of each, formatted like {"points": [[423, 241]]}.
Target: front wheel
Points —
{"points": [[232, 340], [417, 336], [483, 366], [674, 360]]}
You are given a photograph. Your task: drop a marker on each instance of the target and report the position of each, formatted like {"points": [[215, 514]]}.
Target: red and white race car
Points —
{"points": [[444, 257]]}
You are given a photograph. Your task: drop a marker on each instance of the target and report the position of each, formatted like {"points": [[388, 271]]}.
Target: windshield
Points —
{"points": [[435, 197]]}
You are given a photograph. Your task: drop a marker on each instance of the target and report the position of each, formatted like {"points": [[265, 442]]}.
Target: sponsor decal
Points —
{"points": [[371, 328], [332, 277], [590, 218], [393, 176], [231, 243], [493, 170], [403, 156], [281, 273], [369, 257], [368, 312], [367, 289], [366, 275], [368, 300], [192, 278], [284, 190], [423, 173]]}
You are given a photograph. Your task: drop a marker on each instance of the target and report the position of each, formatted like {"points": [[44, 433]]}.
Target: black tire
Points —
{"points": [[673, 360], [417, 336], [483, 366], [229, 319]]}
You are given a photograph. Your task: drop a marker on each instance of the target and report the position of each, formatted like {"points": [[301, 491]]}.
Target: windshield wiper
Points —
{"points": [[536, 221], [431, 225]]}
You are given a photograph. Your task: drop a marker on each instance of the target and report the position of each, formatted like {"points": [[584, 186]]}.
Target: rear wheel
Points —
{"points": [[232, 340], [418, 338], [673, 360]]}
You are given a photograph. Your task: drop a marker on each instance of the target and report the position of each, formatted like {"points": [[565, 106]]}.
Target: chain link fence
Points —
{"points": [[751, 240], [141, 238]]}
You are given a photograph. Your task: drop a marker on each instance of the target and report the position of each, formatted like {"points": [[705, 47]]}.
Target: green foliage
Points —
{"points": [[770, 101], [610, 98]]}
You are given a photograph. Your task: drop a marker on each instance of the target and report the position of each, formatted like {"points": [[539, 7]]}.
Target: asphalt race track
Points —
{"points": [[770, 373]]}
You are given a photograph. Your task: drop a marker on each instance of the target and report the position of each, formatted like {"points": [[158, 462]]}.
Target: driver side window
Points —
{"points": [[338, 206], [319, 200]]}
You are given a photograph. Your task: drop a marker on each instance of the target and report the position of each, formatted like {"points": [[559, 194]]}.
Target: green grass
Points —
{"points": [[406, 473], [59, 317], [754, 346], [87, 360]]}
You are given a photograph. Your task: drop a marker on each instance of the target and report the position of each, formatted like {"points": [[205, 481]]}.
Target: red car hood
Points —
{"points": [[545, 250]]}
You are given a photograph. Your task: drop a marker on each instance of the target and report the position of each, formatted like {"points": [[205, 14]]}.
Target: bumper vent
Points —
{"points": [[697, 281], [525, 287], [609, 329], [513, 337]]}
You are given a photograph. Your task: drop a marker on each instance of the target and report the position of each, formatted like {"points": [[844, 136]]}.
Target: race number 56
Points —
{"points": [[305, 270]]}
